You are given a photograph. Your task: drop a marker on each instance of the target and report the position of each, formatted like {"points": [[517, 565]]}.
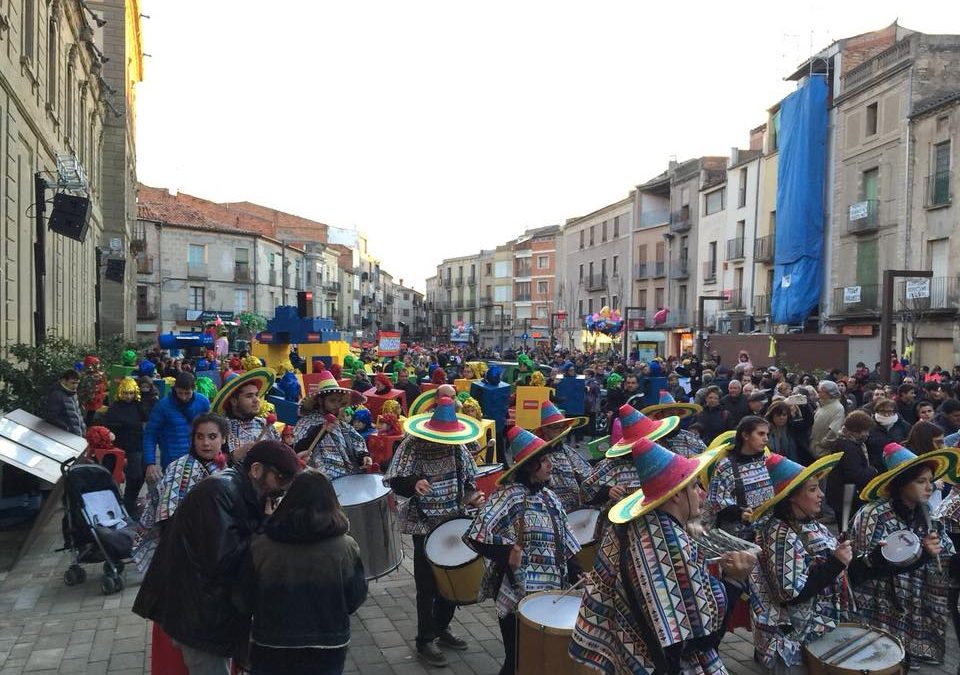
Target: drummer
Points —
{"points": [[569, 467], [912, 605], [239, 400], [329, 443], [523, 530], [434, 470], [651, 604], [681, 441], [615, 476], [799, 589]]}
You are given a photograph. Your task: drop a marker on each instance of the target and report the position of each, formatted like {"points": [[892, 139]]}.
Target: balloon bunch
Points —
{"points": [[606, 321]]}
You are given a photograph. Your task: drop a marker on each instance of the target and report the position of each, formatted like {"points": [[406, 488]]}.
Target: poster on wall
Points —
{"points": [[388, 343]]}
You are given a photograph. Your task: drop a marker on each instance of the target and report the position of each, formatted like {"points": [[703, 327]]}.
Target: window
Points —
{"points": [[543, 287], [660, 251], [582, 234], [590, 270], [603, 301], [501, 270], [196, 254], [616, 226], [642, 253], [581, 271], [682, 300], [406, 312], [522, 291], [603, 268], [591, 235], [501, 294], [603, 231], [272, 258], [197, 298], [240, 298], [52, 60], [711, 260], [940, 180], [871, 121], [658, 298], [642, 300], [616, 266], [615, 303], [523, 312], [542, 311], [29, 29], [742, 188], [713, 202], [589, 305], [242, 262], [489, 269], [543, 262], [579, 307], [406, 297], [68, 104]]}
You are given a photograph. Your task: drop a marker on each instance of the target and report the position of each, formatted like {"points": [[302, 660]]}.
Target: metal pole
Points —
{"points": [[886, 315], [626, 331], [700, 327], [39, 262]]}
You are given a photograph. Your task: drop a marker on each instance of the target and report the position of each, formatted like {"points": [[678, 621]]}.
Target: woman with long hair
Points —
{"points": [[854, 466], [303, 561], [924, 437]]}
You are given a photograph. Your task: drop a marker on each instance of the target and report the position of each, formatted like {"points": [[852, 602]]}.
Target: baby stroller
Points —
{"points": [[96, 527]]}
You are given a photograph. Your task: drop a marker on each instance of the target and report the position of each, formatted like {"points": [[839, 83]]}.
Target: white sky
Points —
{"points": [[440, 128]]}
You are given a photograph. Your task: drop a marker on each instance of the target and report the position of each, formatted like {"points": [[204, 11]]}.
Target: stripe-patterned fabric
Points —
{"points": [[679, 600], [686, 443], [248, 431], [339, 453], [948, 512], [609, 472], [757, 488], [569, 471]]}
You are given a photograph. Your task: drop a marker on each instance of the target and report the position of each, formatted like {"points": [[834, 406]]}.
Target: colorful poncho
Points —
{"points": [[911, 605], [546, 538], [725, 491], [948, 512], [339, 453], [781, 625], [243, 432], [678, 599], [607, 473], [453, 478], [569, 471], [685, 443]]}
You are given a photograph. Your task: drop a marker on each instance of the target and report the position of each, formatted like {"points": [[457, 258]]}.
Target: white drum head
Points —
{"points": [[487, 469], [879, 655], [359, 489], [583, 522], [551, 610], [901, 547], [445, 547]]}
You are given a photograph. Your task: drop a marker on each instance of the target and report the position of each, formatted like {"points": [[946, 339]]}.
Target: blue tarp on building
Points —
{"points": [[798, 256]]}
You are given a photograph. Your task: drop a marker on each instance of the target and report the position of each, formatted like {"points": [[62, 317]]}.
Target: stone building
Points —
{"points": [[534, 284]]}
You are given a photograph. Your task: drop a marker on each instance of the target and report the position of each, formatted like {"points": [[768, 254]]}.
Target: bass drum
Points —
{"points": [[457, 569], [855, 649], [583, 522], [544, 628], [371, 508]]}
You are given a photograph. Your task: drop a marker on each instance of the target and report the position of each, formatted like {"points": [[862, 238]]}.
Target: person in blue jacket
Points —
{"points": [[169, 425]]}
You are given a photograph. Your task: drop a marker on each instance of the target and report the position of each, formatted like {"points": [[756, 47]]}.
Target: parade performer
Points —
{"points": [[239, 401], [569, 468], [322, 439], [912, 605], [206, 387], [92, 390], [288, 384], [522, 529], [125, 418], [362, 422], [948, 513], [434, 470], [681, 441], [650, 605]]}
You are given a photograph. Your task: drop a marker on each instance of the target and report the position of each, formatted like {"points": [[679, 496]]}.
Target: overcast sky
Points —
{"points": [[440, 128]]}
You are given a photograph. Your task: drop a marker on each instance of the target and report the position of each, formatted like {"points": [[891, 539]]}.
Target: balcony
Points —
{"points": [[680, 268], [331, 287], [680, 220], [735, 249], [856, 299], [144, 265], [659, 268], [761, 305], [522, 271], [679, 317], [763, 249], [472, 280], [522, 297], [653, 218], [863, 216], [938, 189], [734, 301], [640, 271], [710, 271], [440, 282], [197, 270], [388, 300], [147, 309], [458, 281], [595, 282], [242, 273], [944, 296]]}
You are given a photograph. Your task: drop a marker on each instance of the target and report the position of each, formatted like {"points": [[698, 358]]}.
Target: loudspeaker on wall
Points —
{"points": [[70, 216]]}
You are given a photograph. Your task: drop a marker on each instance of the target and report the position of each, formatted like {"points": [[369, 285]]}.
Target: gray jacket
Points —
{"points": [[63, 410]]}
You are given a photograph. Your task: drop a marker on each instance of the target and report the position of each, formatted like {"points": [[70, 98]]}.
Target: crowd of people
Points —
{"points": [[733, 486]]}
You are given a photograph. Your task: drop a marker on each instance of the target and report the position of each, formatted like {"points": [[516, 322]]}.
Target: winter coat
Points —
{"points": [[880, 436], [125, 419], [854, 467], [827, 422], [193, 575], [169, 427], [63, 410], [737, 407], [714, 422]]}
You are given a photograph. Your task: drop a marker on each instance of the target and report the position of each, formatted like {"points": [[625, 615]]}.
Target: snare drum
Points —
{"points": [[487, 475], [457, 569], [901, 548], [545, 625], [583, 522], [372, 511], [854, 649]]}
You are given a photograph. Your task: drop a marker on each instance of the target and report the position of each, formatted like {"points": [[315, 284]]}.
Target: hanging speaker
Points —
{"points": [[71, 216]]}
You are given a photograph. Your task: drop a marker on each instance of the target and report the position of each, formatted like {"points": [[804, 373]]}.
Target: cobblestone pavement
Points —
{"points": [[46, 627]]}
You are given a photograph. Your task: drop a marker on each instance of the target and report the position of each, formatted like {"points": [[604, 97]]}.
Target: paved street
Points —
{"points": [[46, 627]]}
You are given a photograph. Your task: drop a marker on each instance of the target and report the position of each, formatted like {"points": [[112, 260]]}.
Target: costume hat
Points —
{"points": [[443, 425], [424, 402], [636, 425], [898, 459], [262, 377], [667, 402], [329, 385], [662, 474], [524, 446], [550, 414], [786, 476]]}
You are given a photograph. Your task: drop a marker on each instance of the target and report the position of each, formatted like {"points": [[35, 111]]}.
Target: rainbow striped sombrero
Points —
{"points": [[524, 446], [636, 425], [786, 476], [668, 402], [551, 414], [423, 403], [262, 377], [898, 459], [443, 425], [328, 384]]}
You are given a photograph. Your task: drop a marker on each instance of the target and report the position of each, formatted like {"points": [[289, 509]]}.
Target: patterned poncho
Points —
{"points": [[725, 490], [452, 474], [538, 523], [339, 453], [243, 432], [948, 512], [781, 625], [686, 443], [607, 473], [179, 478], [911, 605], [678, 599], [569, 471]]}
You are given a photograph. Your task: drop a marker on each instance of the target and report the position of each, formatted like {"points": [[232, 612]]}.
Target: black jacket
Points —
{"points": [[879, 437], [714, 422], [63, 410], [188, 587], [285, 583], [126, 419], [737, 407], [410, 390], [854, 467]]}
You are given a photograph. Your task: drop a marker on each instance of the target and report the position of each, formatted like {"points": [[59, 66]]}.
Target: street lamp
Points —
{"points": [[561, 316]]}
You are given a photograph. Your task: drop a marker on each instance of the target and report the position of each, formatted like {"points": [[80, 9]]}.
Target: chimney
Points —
{"points": [[734, 155]]}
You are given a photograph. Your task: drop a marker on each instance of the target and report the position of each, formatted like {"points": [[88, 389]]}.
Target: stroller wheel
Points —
{"points": [[108, 585], [112, 569], [74, 575]]}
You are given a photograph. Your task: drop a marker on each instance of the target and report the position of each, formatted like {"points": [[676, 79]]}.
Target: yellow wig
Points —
{"points": [[128, 384]]}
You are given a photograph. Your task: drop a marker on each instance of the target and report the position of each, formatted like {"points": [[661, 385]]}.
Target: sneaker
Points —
{"points": [[430, 654], [448, 639]]}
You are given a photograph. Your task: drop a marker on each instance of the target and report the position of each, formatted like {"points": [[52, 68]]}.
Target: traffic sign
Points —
{"points": [[524, 337]]}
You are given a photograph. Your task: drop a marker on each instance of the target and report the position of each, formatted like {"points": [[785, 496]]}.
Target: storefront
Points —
{"points": [[646, 345]]}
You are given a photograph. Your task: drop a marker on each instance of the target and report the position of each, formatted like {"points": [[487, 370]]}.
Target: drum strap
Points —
{"points": [[660, 666], [739, 492], [559, 545]]}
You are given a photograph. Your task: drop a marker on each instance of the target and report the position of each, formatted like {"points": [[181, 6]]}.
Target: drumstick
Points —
{"points": [[848, 490], [925, 512], [854, 649], [567, 592], [828, 655]]}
